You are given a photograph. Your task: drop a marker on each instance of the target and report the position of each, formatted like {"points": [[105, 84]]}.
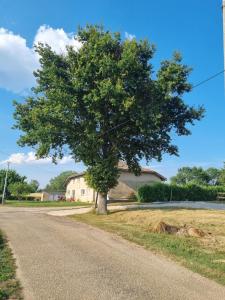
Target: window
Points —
{"points": [[68, 192], [82, 192]]}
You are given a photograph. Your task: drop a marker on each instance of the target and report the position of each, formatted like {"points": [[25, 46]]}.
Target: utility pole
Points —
{"points": [[5, 183], [223, 7]]}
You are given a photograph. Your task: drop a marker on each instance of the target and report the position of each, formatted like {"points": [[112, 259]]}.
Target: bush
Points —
{"points": [[155, 192], [167, 192]]}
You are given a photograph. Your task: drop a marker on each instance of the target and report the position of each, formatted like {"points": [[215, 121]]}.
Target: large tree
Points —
{"points": [[195, 175], [57, 184], [20, 189], [222, 176], [13, 177], [104, 103], [198, 175], [214, 176], [34, 185]]}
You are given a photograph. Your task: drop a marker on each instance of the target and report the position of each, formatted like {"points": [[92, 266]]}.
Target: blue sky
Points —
{"points": [[192, 27]]}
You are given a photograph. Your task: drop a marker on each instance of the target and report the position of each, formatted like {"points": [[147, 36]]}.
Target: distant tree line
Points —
{"points": [[57, 184], [17, 185], [199, 176]]}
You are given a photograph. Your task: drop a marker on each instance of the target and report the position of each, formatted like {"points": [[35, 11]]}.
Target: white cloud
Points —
{"points": [[18, 61], [31, 159], [58, 39], [65, 160], [129, 36]]}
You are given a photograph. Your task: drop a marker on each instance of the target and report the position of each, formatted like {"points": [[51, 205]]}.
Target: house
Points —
{"points": [[128, 183]]}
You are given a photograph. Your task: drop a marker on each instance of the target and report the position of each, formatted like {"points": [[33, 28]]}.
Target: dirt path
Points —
{"points": [[62, 259]]}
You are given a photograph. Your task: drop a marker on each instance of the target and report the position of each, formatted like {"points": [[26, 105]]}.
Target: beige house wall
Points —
{"points": [[128, 183], [77, 189], [121, 191]]}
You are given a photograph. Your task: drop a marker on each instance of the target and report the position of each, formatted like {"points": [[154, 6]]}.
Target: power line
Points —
{"points": [[208, 79], [125, 122], [196, 85]]}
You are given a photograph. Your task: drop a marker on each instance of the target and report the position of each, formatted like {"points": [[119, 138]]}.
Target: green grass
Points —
{"points": [[17, 203], [9, 286], [207, 260]]}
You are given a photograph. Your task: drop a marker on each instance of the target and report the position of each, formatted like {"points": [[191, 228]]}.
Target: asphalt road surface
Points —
{"points": [[61, 259]]}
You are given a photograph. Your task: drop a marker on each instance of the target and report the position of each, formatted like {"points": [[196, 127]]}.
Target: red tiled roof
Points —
{"points": [[122, 167]]}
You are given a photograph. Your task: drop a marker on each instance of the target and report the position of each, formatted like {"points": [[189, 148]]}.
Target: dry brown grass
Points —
{"points": [[210, 221], [202, 254]]}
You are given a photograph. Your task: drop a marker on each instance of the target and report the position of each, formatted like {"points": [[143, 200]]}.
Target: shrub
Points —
{"points": [[154, 192], [179, 192], [166, 192]]}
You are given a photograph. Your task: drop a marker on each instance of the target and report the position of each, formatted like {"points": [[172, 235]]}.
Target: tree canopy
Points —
{"points": [[197, 175], [17, 183], [105, 103], [34, 185], [20, 189], [215, 176], [222, 176], [13, 177], [58, 183]]}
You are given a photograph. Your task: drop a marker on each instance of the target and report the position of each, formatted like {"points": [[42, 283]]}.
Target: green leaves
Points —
{"points": [[82, 98], [57, 184], [13, 177], [199, 176], [104, 172], [172, 76], [20, 189]]}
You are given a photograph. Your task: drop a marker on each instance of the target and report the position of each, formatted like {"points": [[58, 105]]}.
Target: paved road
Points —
{"points": [[180, 204], [62, 259]]}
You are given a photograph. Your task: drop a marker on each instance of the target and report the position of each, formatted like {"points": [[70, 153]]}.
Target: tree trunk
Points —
{"points": [[102, 204], [96, 200]]}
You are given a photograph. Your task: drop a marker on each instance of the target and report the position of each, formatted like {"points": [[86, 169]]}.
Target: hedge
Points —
{"points": [[170, 192]]}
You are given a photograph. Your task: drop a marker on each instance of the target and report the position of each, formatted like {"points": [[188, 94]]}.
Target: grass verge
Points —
{"points": [[202, 255], [17, 203], [10, 287]]}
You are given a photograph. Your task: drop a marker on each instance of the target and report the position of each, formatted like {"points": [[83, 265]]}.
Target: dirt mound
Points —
{"points": [[162, 227], [195, 232]]}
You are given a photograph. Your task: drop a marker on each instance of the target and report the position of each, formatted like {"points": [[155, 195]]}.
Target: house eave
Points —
{"points": [[146, 171]]}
